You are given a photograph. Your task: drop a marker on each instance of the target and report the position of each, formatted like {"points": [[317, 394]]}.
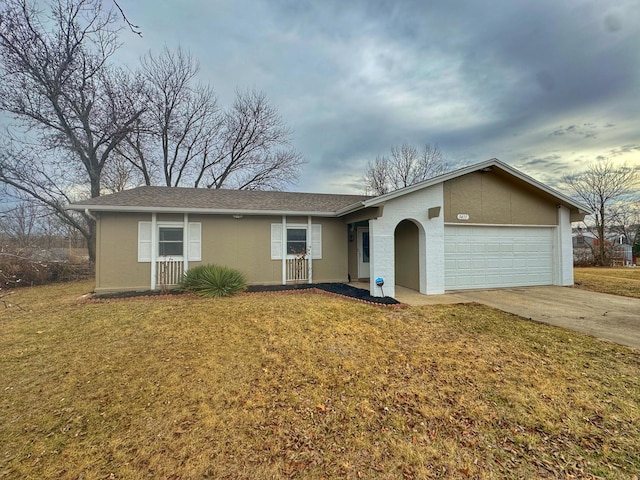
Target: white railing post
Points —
{"points": [[185, 243], [284, 250], [169, 272], [310, 249], [154, 250]]}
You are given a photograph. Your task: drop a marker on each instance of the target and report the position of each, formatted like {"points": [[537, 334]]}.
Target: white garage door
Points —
{"points": [[487, 257]]}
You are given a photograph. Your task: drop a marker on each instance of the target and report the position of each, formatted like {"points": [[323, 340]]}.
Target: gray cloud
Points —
{"points": [[537, 84]]}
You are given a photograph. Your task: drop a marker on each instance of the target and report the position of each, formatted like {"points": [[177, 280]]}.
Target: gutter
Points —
{"points": [[88, 213], [219, 211]]}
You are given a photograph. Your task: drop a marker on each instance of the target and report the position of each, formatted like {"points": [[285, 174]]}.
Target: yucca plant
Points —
{"points": [[213, 281]]}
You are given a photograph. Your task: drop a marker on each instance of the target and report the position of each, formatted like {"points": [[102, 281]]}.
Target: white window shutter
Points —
{"points": [[144, 241], [194, 249], [276, 241], [316, 242]]}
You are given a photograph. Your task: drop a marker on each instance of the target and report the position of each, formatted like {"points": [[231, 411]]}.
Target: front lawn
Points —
{"points": [[623, 281], [305, 386]]}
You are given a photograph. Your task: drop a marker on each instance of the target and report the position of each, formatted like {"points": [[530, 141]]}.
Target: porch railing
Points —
{"points": [[169, 272], [297, 269]]}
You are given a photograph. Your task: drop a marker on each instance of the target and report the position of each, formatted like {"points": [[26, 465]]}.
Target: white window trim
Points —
{"points": [[279, 245], [149, 243], [297, 226], [184, 244]]}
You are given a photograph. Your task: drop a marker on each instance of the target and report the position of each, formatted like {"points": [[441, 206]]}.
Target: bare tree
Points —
{"points": [[185, 139], [406, 166], [19, 224], [120, 174], [376, 176], [625, 219], [28, 225], [45, 178], [255, 149], [600, 186], [176, 137], [58, 86]]}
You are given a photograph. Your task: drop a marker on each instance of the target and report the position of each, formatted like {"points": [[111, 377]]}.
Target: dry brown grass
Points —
{"points": [[623, 281], [305, 386]]}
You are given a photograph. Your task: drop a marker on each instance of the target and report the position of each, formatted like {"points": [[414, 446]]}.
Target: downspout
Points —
{"points": [[88, 213]]}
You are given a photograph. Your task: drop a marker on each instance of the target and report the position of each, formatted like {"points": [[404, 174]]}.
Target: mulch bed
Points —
{"points": [[134, 294], [340, 289]]}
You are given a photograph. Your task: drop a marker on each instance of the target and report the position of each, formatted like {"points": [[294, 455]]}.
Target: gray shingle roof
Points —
{"points": [[190, 199]]}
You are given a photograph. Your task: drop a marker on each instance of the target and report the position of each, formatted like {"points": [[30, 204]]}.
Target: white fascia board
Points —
{"points": [[350, 209], [218, 211]]}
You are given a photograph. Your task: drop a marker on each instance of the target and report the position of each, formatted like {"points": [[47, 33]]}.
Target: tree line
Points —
{"points": [[83, 126]]}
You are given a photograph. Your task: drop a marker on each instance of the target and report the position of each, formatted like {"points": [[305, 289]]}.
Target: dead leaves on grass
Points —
{"points": [[313, 387]]}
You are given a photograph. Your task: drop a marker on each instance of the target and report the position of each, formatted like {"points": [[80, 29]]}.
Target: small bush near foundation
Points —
{"points": [[213, 281]]}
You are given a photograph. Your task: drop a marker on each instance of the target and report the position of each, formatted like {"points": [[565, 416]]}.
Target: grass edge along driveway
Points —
{"points": [[623, 281], [305, 386]]}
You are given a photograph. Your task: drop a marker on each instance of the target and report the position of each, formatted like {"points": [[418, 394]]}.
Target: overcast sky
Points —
{"points": [[546, 86]]}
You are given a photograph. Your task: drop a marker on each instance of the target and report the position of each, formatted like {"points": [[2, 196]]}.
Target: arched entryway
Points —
{"points": [[407, 255]]}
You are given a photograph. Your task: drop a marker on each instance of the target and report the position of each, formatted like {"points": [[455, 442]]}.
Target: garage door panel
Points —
{"points": [[488, 257]]}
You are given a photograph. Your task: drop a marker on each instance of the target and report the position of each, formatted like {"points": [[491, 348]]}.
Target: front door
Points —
{"points": [[363, 252]]}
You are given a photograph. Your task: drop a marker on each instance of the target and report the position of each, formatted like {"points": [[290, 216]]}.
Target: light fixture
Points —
{"points": [[237, 217]]}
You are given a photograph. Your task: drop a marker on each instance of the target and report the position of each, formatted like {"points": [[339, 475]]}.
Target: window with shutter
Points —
{"points": [[195, 242], [144, 241], [170, 241], [297, 240]]}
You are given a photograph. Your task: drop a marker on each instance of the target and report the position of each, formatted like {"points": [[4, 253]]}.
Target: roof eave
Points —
{"points": [[354, 207], [215, 211]]}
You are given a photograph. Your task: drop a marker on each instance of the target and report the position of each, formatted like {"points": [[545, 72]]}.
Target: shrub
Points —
{"points": [[21, 271], [213, 281]]}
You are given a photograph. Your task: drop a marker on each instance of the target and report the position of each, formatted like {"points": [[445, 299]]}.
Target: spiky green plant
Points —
{"points": [[213, 281]]}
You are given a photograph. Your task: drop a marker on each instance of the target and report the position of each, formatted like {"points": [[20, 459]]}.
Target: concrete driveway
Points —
{"points": [[608, 317]]}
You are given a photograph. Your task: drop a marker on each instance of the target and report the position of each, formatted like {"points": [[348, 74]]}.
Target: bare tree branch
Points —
{"points": [[599, 187], [406, 166], [256, 153], [58, 86], [134, 28]]}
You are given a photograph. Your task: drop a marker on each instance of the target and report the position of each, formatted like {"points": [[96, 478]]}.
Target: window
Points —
{"points": [[170, 241], [296, 241], [365, 246]]}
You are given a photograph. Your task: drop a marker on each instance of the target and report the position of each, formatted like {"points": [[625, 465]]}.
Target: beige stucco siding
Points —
{"points": [[353, 252], [332, 267], [407, 255], [493, 198], [117, 266], [243, 244]]}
